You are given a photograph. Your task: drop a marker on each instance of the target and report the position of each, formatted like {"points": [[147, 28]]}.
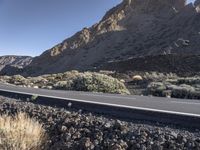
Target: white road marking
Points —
{"points": [[191, 103], [110, 96], [108, 104]]}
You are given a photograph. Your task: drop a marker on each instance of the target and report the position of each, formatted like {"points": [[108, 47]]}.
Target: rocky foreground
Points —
{"points": [[75, 129]]}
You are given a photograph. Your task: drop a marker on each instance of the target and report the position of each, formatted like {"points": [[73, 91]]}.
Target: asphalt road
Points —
{"points": [[158, 104]]}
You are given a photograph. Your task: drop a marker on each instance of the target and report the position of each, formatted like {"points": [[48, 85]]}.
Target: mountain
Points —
{"points": [[14, 62], [182, 65], [132, 29]]}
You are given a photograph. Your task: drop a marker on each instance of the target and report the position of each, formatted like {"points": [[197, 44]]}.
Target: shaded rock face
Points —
{"points": [[197, 5], [133, 28], [186, 65], [9, 64], [197, 2]]}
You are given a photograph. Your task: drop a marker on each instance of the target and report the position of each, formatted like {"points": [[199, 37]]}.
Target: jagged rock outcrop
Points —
{"points": [[9, 64], [133, 28], [197, 5], [197, 2]]}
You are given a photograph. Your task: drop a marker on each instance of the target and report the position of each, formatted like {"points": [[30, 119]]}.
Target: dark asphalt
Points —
{"points": [[176, 106]]}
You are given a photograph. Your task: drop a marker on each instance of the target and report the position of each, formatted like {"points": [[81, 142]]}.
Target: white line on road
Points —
{"points": [[110, 96], [108, 104], [191, 103]]}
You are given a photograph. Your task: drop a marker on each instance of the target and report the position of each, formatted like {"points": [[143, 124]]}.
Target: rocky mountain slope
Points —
{"points": [[13, 62], [183, 65], [132, 29]]}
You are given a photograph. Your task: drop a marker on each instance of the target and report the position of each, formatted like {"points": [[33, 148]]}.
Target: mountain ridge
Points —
{"points": [[134, 28], [13, 61]]}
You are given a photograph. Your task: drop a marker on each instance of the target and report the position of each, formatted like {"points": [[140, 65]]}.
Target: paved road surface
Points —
{"points": [[174, 106]]}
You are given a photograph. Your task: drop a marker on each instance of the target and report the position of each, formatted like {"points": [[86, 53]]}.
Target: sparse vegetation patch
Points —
{"points": [[73, 80], [20, 132]]}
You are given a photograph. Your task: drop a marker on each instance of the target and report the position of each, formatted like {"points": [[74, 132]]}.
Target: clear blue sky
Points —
{"points": [[29, 27]]}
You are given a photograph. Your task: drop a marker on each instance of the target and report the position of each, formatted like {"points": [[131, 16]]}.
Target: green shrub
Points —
{"points": [[64, 85], [34, 97], [17, 79], [158, 77], [166, 89], [156, 88], [93, 82], [189, 80], [182, 91]]}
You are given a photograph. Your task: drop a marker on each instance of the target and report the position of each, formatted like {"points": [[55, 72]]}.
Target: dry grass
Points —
{"points": [[20, 133]]}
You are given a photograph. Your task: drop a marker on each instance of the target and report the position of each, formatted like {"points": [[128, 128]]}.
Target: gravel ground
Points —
{"points": [[70, 129]]}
